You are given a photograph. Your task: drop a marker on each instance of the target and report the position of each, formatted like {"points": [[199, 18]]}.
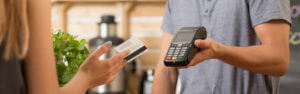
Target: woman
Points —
{"points": [[25, 35]]}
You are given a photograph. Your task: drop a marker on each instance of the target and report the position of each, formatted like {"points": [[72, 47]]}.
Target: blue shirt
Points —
{"points": [[229, 22]]}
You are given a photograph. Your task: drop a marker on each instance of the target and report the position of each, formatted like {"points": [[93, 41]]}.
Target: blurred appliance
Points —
{"points": [[146, 82], [107, 32]]}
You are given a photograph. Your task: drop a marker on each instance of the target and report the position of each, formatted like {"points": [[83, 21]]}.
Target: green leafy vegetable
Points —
{"points": [[69, 54]]}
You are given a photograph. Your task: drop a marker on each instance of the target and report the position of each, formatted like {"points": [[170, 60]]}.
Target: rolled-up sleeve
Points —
{"points": [[262, 11]]}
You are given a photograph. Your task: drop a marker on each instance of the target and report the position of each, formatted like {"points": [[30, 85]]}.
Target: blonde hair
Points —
{"points": [[14, 30]]}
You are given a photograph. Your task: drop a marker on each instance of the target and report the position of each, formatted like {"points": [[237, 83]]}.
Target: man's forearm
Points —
{"points": [[164, 81], [261, 59], [165, 78]]}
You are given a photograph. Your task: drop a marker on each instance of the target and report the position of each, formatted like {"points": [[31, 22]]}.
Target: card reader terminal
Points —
{"points": [[182, 50]]}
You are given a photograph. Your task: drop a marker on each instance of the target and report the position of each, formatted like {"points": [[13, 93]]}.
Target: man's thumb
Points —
{"points": [[203, 43]]}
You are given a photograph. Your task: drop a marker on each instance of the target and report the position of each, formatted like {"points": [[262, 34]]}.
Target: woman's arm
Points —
{"points": [[40, 69]]}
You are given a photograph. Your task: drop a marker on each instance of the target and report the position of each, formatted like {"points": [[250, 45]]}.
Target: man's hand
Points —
{"points": [[270, 58], [207, 50]]}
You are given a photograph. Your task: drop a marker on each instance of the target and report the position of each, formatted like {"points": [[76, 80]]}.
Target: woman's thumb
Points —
{"points": [[102, 49]]}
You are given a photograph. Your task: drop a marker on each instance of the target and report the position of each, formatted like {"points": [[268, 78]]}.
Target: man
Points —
{"points": [[246, 52]]}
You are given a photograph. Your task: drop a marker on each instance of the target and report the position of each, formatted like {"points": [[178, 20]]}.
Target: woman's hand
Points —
{"points": [[99, 72]]}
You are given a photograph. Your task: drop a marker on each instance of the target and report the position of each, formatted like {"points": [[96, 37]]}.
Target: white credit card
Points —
{"points": [[135, 47]]}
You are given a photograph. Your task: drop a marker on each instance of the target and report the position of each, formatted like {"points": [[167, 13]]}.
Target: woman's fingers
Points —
{"points": [[116, 63], [112, 78], [118, 67], [119, 57], [102, 49]]}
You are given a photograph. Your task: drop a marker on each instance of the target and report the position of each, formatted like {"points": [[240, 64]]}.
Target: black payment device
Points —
{"points": [[182, 49]]}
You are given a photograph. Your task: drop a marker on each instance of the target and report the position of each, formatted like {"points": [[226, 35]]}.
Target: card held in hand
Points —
{"points": [[134, 46]]}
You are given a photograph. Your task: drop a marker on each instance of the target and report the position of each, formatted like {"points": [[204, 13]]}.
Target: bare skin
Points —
{"points": [[40, 70], [269, 58], [165, 78]]}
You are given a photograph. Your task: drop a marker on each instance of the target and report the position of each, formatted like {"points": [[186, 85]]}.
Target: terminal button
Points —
{"points": [[168, 58], [179, 57]]}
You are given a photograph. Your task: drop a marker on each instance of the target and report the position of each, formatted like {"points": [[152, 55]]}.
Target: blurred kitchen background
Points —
{"points": [[142, 19]]}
